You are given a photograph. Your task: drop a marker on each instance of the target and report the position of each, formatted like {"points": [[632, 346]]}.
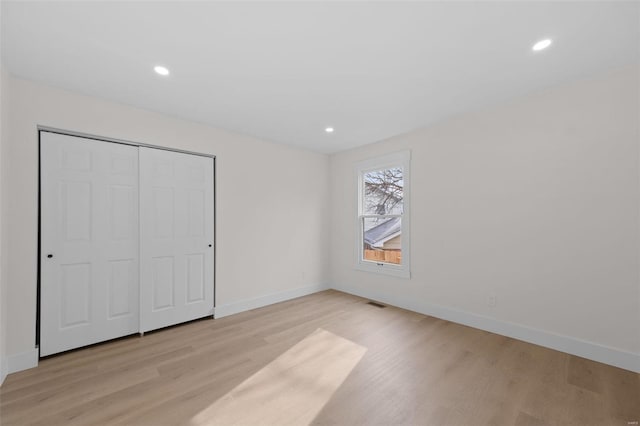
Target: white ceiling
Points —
{"points": [[285, 71]]}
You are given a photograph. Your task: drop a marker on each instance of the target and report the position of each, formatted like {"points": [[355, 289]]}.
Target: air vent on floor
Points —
{"points": [[376, 304]]}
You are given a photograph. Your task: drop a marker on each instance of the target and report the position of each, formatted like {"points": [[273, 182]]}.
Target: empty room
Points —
{"points": [[319, 213]]}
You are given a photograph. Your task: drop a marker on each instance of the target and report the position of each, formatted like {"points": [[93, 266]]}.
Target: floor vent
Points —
{"points": [[376, 304]]}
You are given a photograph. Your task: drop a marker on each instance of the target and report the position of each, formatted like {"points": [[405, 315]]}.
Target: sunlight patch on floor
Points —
{"points": [[292, 389]]}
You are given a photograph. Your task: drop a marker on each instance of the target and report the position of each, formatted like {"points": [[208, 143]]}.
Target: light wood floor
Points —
{"points": [[326, 359]]}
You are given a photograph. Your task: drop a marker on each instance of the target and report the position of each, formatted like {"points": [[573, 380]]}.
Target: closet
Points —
{"points": [[126, 239]]}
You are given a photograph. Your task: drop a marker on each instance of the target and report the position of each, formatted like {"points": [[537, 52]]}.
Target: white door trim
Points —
{"points": [[121, 141]]}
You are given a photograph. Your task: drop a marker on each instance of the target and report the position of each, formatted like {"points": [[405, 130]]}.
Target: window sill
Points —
{"points": [[384, 269]]}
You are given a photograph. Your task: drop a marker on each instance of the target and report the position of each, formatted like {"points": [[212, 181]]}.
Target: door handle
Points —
{"points": [[49, 255]]}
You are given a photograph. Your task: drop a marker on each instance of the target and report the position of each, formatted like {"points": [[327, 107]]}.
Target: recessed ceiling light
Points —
{"points": [[161, 70], [329, 130], [542, 44]]}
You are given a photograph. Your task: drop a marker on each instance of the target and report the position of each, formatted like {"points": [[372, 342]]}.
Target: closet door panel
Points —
{"points": [[176, 223], [89, 242]]}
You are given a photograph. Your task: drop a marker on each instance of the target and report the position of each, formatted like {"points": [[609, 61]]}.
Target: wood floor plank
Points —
{"points": [[414, 370], [585, 374], [525, 419]]}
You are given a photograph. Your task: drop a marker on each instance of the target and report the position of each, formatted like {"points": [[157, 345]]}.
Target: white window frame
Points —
{"points": [[398, 159]]}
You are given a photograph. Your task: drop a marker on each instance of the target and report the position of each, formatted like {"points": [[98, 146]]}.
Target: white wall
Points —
{"points": [[272, 203], [3, 128], [3, 269], [535, 202]]}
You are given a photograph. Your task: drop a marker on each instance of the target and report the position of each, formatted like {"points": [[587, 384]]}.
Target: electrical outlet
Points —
{"points": [[491, 300]]}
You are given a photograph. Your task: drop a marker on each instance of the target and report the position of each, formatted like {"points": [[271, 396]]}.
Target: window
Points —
{"points": [[383, 215]]}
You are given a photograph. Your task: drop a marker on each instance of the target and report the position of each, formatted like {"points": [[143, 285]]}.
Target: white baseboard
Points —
{"points": [[22, 361], [269, 299], [593, 351]]}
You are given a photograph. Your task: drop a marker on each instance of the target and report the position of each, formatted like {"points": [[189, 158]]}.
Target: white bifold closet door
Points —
{"points": [[176, 245], [89, 242]]}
